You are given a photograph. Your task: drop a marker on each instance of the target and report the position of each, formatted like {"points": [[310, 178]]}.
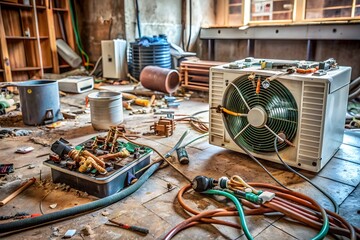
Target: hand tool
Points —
{"points": [[128, 227]]}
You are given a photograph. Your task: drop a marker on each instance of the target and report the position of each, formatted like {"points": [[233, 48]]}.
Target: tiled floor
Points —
{"points": [[155, 207]]}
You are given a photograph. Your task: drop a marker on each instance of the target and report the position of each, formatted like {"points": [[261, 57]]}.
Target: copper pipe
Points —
{"points": [[160, 79]]}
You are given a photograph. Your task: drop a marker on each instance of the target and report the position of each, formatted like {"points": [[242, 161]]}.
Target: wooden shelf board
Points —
{"points": [[64, 66], [47, 67], [10, 4], [20, 38], [1, 70], [60, 9], [25, 38], [25, 69], [327, 8]]}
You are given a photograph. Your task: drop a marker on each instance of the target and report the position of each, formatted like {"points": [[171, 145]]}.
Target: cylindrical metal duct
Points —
{"points": [[160, 79], [105, 109]]}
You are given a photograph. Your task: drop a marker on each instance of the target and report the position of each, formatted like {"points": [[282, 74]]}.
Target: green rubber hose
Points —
{"points": [[28, 223], [238, 207]]}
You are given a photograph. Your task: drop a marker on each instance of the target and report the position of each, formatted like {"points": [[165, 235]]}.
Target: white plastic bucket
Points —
{"points": [[105, 109]]}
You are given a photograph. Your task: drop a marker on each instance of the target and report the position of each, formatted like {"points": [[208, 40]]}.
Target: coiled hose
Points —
{"points": [[29, 223]]}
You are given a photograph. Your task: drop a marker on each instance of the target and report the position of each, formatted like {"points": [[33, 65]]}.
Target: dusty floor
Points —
{"points": [[154, 206]]}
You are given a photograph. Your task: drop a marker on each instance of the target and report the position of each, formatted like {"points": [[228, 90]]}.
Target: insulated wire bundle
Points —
{"points": [[197, 124], [85, 57], [293, 205]]}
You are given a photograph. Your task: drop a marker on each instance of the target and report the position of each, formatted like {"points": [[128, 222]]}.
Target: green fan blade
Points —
{"points": [[280, 107]]}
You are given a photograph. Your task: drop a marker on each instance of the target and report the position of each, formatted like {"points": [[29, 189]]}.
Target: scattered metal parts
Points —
{"points": [[24, 149], [141, 111], [169, 186], [105, 213], [31, 166], [52, 206], [69, 115], [70, 233], [164, 127], [132, 78], [137, 153], [42, 155], [6, 168], [112, 137]]}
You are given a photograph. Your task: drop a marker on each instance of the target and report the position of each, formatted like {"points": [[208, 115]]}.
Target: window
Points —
{"points": [[235, 12], [244, 12], [328, 9]]}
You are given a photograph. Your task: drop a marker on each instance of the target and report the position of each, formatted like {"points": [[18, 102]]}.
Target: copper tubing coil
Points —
{"points": [[292, 204], [160, 79]]}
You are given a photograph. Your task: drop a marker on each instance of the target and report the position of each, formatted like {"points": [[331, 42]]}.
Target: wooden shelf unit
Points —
{"points": [[28, 34]]}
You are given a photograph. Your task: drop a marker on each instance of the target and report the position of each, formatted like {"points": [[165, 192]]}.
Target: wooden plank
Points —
{"points": [[16, 54], [12, 23], [195, 74], [20, 38], [68, 26], [27, 23], [206, 89], [22, 69], [4, 51], [52, 37]]}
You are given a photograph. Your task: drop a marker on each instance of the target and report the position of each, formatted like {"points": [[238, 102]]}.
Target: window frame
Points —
{"points": [[298, 15]]}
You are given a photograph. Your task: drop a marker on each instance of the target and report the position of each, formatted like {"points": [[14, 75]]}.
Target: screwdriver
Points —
{"points": [[128, 227]]}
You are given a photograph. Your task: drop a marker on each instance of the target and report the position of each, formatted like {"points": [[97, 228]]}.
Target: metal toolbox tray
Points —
{"points": [[118, 177]]}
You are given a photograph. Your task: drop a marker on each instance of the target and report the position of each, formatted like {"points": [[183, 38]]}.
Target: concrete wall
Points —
{"points": [[107, 19], [99, 20], [164, 16]]}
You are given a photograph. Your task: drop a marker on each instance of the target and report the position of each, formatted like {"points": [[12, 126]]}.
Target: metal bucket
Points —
{"points": [[105, 109], [39, 100]]}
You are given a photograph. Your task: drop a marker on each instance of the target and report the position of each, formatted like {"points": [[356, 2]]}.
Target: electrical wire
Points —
{"points": [[237, 183], [77, 35], [293, 205], [256, 160], [199, 125], [158, 153], [190, 23], [194, 140], [238, 207], [336, 207], [263, 167], [138, 17], [96, 65]]}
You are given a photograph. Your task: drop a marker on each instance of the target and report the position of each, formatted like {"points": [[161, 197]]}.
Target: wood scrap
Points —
{"points": [[17, 192]]}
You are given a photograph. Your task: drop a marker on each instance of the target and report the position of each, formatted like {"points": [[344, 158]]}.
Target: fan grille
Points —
{"points": [[276, 100]]}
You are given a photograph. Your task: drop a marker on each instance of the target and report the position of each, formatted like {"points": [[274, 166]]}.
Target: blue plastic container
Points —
{"points": [[39, 101]]}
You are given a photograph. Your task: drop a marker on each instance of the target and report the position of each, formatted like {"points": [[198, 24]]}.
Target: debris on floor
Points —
{"points": [[8, 132]]}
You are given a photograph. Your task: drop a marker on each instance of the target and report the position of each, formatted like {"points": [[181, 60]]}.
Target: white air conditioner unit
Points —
{"points": [[308, 109]]}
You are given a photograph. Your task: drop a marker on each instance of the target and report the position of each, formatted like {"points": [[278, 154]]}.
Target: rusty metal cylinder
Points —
{"points": [[160, 79]]}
